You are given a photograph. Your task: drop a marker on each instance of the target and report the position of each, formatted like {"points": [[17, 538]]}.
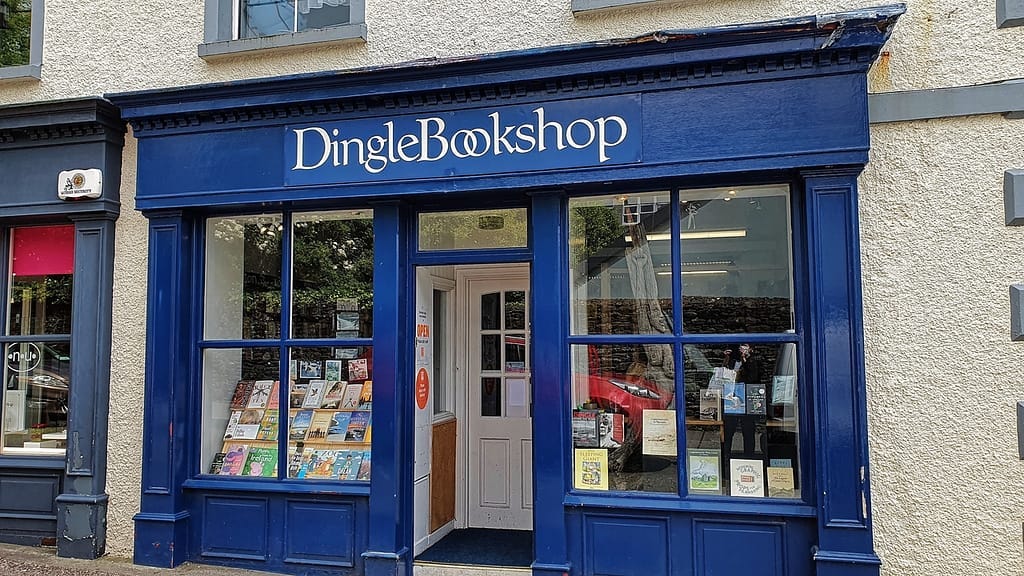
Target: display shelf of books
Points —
{"points": [[329, 427]]}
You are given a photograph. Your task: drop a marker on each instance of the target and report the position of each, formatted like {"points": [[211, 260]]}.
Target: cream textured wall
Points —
{"points": [[943, 376]]}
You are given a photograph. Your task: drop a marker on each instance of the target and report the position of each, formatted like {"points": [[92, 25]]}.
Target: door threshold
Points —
{"points": [[428, 568]]}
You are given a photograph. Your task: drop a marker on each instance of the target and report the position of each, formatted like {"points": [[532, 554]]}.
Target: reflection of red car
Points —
{"points": [[626, 394]]}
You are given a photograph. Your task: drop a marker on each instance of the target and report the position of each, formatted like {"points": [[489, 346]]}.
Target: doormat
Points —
{"points": [[482, 546]]}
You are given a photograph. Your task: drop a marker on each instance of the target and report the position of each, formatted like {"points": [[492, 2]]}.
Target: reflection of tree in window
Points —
{"points": [[15, 32]]}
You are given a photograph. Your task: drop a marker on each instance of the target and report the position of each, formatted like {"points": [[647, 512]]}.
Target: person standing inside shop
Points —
{"points": [[743, 362]]}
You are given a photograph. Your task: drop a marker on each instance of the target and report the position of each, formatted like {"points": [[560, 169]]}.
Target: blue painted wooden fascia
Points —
{"points": [[842, 474], [868, 27], [161, 527], [548, 320]]}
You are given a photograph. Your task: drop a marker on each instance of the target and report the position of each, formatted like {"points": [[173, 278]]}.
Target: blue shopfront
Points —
{"points": [[599, 304]]}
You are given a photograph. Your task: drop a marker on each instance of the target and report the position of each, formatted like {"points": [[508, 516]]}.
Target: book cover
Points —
{"points": [[275, 395], [321, 464], [294, 463], [585, 432], [705, 470], [248, 425], [300, 425], [229, 430], [358, 369], [314, 394], [339, 426], [746, 478], [611, 429], [734, 398], [710, 404], [332, 370], [234, 458], [261, 462], [303, 467], [783, 389], [366, 396], [335, 393], [218, 463], [268, 426], [364, 467], [357, 425], [780, 483], [756, 399], [309, 369], [659, 430], [591, 469], [260, 395], [346, 465], [241, 397], [351, 398], [318, 426], [297, 394]]}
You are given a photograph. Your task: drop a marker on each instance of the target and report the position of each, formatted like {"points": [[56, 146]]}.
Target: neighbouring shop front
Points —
{"points": [[603, 299], [61, 171]]}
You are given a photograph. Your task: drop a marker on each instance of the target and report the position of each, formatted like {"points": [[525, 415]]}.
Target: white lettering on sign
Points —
{"points": [[432, 142]]}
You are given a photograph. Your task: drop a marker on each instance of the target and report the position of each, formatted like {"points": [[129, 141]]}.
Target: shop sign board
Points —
{"points": [[539, 136]]}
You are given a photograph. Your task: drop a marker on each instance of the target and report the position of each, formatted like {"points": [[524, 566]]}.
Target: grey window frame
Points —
{"points": [[585, 6], [1009, 13], [219, 32], [34, 68]]}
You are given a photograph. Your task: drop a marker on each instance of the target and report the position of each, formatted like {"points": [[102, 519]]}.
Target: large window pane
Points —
{"points": [[16, 33], [620, 264], [473, 229], [243, 278], [266, 17], [737, 260], [742, 420], [623, 418], [241, 412], [42, 268], [330, 404], [37, 376], [332, 275]]}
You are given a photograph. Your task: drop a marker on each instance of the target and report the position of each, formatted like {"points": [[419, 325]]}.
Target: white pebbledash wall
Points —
{"points": [[943, 377]]}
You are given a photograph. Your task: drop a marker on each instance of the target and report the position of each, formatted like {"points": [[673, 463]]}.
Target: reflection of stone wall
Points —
{"points": [[701, 314]]}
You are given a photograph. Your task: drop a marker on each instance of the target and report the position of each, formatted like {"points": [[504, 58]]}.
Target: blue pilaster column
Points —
{"points": [[161, 527], [845, 546], [550, 286], [82, 507], [390, 528]]}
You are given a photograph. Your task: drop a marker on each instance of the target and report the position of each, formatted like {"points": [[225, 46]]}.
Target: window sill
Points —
{"points": [[30, 72], [582, 7], [1009, 14], [242, 484], [349, 33], [670, 503]]}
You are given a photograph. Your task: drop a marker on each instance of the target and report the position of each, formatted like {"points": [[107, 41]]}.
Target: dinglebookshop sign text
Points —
{"points": [[570, 134]]}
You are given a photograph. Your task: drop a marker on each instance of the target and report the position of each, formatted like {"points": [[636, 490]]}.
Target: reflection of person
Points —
{"points": [[743, 362]]}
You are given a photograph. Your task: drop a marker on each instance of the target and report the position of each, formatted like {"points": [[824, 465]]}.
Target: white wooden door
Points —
{"points": [[500, 444]]}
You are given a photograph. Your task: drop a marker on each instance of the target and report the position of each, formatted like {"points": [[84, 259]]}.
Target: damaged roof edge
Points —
{"points": [[865, 26]]}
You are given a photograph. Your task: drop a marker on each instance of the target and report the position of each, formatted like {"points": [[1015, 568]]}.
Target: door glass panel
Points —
{"points": [[490, 352], [490, 396], [515, 310], [515, 353], [490, 311]]}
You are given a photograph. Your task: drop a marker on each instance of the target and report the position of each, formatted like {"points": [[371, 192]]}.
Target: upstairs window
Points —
{"points": [[234, 26], [21, 43]]}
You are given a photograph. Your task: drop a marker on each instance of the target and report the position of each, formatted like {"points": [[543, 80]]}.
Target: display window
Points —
{"points": [[37, 340], [684, 343], [318, 425]]}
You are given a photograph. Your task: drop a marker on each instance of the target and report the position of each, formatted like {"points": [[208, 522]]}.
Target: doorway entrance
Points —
{"points": [[473, 445]]}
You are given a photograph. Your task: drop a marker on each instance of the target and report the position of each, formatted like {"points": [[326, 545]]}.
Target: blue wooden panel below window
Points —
{"points": [[621, 546], [235, 528], [22, 494], [319, 533], [750, 549]]}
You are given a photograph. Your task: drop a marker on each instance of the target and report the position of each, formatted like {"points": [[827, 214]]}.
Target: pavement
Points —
{"points": [[29, 561]]}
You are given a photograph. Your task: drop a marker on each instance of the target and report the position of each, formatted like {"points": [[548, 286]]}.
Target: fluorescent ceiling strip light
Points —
{"points": [[696, 272], [703, 235]]}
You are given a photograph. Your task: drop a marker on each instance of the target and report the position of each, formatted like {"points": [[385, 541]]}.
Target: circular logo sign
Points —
{"points": [[422, 388], [23, 357], [78, 180]]}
